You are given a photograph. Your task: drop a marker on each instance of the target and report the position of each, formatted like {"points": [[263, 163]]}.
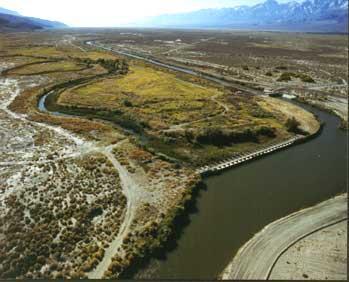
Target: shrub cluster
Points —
{"points": [[224, 137], [292, 125], [59, 225], [287, 76], [113, 66]]}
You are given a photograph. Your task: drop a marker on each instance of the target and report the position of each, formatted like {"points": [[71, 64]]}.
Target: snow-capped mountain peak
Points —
{"points": [[313, 15]]}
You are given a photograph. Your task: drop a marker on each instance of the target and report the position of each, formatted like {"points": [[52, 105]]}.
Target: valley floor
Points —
{"points": [[82, 196]]}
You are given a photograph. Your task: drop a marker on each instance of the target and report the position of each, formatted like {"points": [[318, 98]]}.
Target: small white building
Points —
{"points": [[289, 96], [268, 91]]}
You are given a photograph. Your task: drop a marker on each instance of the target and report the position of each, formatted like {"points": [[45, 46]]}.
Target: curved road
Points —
{"points": [[256, 259], [129, 187]]}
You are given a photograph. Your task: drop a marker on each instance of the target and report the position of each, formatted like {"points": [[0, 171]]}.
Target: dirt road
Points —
{"points": [[130, 191]]}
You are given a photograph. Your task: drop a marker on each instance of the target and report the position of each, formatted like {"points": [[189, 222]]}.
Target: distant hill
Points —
{"points": [[309, 15], [47, 23], [8, 12], [12, 21]]}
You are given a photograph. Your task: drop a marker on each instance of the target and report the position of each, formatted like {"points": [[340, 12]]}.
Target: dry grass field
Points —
{"points": [[175, 113], [154, 96], [43, 68]]}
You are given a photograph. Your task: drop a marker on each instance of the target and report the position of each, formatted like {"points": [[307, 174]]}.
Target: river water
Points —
{"points": [[240, 202]]}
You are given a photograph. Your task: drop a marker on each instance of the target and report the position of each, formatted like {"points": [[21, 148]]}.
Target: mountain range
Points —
{"points": [[8, 12], [309, 15], [13, 21]]}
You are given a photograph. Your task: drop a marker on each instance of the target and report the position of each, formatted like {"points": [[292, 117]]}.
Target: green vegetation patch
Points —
{"points": [[154, 97], [48, 67], [287, 76]]}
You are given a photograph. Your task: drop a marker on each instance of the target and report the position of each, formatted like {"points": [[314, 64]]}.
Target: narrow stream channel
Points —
{"points": [[240, 202]]}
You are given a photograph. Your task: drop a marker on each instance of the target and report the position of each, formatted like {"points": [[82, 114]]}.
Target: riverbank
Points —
{"points": [[341, 114], [309, 125], [256, 259], [307, 120], [167, 234], [319, 256]]}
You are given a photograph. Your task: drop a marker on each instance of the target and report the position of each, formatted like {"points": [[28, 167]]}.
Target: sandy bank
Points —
{"points": [[322, 255], [257, 257], [308, 122]]}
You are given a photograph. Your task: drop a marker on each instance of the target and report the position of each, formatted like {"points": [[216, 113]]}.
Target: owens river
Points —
{"points": [[241, 201], [238, 203]]}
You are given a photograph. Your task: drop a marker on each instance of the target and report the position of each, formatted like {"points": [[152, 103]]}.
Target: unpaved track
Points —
{"points": [[256, 259], [129, 187], [213, 99]]}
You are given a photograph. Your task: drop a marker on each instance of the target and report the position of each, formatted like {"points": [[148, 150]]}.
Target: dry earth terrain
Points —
{"points": [[87, 191], [77, 197]]}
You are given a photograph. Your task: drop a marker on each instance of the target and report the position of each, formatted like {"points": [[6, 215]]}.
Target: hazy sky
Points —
{"points": [[103, 13]]}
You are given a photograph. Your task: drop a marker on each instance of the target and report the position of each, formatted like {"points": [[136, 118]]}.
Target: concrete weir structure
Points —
{"points": [[234, 161]]}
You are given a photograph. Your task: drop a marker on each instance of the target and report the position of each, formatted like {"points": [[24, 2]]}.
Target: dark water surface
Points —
{"points": [[241, 201]]}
